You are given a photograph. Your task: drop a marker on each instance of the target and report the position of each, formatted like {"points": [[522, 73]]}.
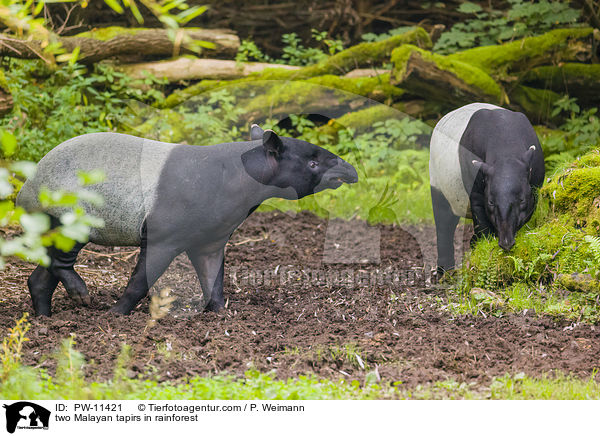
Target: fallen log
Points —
{"points": [[134, 43], [6, 101], [361, 55], [366, 72], [187, 68], [362, 120], [537, 104], [357, 56], [438, 78], [327, 95], [575, 79], [560, 45]]}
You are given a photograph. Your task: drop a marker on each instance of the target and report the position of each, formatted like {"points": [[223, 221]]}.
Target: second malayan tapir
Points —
{"points": [[485, 163], [173, 198]]}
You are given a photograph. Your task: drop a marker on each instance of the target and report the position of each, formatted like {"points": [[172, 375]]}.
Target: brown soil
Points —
{"points": [[307, 316]]}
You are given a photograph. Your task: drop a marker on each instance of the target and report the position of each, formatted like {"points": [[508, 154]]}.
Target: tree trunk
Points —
{"points": [[434, 78], [576, 80], [134, 43], [6, 101], [185, 68]]}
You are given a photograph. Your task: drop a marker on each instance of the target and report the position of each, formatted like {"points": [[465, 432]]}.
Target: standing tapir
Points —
{"points": [[485, 162], [173, 198]]}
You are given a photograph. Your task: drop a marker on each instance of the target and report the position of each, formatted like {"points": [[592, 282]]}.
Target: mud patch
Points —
{"points": [[293, 310]]}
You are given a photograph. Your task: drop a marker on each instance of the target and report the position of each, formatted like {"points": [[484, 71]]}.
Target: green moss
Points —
{"points": [[567, 70], [313, 91], [538, 104], [578, 282], [366, 53], [494, 59], [108, 33], [469, 74], [3, 82], [576, 190]]}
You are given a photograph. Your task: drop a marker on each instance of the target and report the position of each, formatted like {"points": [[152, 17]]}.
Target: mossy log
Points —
{"points": [[189, 68], [575, 192], [578, 282], [362, 55], [538, 104], [363, 119], [328, 95], [560, 45], [577, 80], [439, 78], [6, 101], [131, 43]]}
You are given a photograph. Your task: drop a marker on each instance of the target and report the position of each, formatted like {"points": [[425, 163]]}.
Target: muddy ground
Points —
{"points": [[292, 310]]}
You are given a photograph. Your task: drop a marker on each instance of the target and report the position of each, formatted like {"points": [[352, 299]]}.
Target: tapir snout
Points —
{"points": [[342, 172]]}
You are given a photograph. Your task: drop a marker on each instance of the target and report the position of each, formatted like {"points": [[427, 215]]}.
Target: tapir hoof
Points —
{"points": [[120, 309], [81, 299], [214, 306]]}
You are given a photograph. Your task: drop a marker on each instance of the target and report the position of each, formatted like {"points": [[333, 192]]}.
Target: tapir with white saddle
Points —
{"points": [[170, 199], [486, 163]]}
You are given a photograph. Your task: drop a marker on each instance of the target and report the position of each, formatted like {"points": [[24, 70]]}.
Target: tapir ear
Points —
{"points": [[271, 142], [256, 132], [486, 169], [528, 156]]}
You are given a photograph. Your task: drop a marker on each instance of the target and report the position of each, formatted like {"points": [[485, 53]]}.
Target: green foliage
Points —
{"points": [[552, 245], [294, 51], [51, 108], [491, 26], [393, 172], [559, 387], [75, 224], [577, 135], [12, 347], [372, 37]]}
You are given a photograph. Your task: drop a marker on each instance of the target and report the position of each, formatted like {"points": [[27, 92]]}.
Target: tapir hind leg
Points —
{"points": [[41, 284], [445, 226], [43, 281], [61, 267], [210, 271]]}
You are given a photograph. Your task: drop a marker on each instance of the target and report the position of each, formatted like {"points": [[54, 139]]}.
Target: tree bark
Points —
{"points": [[577, 80], [434, 78], [185, 68], [116, 41], [6, 100]]}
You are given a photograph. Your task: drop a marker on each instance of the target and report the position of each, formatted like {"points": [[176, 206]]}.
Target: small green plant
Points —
{"points": [[12, 347], [578, 134], [294, 50], [73, 102], [490, 26]]}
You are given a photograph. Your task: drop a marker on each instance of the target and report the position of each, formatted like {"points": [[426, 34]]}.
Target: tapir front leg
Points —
{"points": [[481, 224], [210, 271], [152, 262], [445, 227]]}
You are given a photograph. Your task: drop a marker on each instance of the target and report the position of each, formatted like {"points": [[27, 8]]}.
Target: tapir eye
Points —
{"points": [[490, 203], [313, 164]]}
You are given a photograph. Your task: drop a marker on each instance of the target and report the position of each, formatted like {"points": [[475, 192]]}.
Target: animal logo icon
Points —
{"points": [[25, 414]]}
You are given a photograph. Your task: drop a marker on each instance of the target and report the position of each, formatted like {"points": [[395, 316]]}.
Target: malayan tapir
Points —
{"points": [[485, 163], [173, 198]]}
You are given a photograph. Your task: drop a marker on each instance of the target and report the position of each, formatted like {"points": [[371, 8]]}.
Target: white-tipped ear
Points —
{"points": [[483, 167], [271, 142], [528, 156], [256, 132]]}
